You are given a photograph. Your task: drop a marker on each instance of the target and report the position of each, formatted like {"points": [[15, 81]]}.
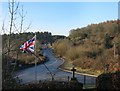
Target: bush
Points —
{"points": [[8, 81], [73, 53], [108, 81], [83, 63], [61, 47], [52, 85]]}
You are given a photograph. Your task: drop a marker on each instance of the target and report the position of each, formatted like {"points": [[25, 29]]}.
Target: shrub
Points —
{"points": [[61, 47], [108, 81]]}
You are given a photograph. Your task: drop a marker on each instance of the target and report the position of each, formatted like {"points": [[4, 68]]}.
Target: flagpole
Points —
{"points": [[35, 62], [26, 49]]}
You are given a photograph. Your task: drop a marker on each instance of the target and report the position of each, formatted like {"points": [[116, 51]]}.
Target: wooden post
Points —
{"points": [[106, 68], [84, 79], [53, 77], [68, 78]]}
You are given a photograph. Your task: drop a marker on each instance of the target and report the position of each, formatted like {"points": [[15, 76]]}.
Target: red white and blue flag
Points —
{"points": [[29, 45]]}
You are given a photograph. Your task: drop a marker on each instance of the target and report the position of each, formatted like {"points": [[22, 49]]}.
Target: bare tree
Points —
{"points": [[9, 45], [2, 29], [19, 29], [14, 9]]}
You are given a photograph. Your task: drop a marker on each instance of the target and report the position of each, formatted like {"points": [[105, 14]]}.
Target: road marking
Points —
{"points": [[52, 63]]}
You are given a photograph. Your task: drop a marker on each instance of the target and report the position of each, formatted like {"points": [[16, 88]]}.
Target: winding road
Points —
{"points": [[28, 75]]}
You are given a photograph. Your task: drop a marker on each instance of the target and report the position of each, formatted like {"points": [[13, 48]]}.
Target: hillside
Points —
{"points": [[95, 48], [13, 59], [16, 40]]}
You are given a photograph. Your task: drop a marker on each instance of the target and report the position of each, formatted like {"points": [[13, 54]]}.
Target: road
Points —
{"points": [[28, 75]]}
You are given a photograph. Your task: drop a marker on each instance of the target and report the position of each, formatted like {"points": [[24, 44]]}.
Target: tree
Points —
{"points": [[10, 46], [107, 41]]}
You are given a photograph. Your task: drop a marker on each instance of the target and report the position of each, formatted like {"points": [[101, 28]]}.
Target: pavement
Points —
{"points": [[28, 75]]}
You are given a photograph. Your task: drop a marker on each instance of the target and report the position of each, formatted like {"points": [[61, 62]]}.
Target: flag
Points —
{"points": [[28, 46]]}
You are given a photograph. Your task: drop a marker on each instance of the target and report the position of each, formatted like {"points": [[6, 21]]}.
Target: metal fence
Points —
{"points": [[87, 81]]}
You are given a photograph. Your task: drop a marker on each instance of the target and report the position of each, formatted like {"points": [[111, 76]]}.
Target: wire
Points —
{"points": [[44, 65]]}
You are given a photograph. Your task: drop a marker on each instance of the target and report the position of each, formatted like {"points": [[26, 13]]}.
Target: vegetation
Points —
{"points": [[108, 81], [52, 85], [92, 47], [18, 40], [13, 59], [8, 82], [16, 60]]}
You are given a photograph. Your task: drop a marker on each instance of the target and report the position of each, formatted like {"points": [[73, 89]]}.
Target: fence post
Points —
{"points": [[84, 79], [68, 78]]}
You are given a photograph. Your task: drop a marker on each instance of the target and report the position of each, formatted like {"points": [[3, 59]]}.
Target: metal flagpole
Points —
{"points": [[35, 62], [43, 64]]}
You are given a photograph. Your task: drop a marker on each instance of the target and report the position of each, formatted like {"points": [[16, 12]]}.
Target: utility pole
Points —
{"points": [[114, 51]]}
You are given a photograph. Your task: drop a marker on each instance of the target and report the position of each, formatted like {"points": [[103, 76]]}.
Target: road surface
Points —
{"points": [[28, 75]]}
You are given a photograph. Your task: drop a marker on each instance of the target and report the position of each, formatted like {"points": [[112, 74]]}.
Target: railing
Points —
{"points": [[86, 81]]}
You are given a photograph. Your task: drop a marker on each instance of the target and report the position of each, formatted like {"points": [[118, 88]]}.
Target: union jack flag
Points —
{"points": [[28, 46]]}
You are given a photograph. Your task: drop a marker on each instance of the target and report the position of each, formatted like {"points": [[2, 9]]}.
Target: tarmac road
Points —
{"points": [[28, 75]]}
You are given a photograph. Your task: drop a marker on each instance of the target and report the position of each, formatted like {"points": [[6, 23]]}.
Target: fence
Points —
{"points": [[86, 80]]}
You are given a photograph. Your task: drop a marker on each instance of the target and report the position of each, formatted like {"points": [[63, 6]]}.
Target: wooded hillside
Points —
{"points": [[93, 47]]}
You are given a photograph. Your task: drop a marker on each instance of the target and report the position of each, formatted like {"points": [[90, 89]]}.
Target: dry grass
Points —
{"points": [[93, 46]]}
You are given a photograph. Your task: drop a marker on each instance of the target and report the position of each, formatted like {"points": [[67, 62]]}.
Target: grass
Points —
{"points": [[88, 71], [25, 66], [87, 86], [68, 65]]}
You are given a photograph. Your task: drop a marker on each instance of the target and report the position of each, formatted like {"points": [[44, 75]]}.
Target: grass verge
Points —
{"points": [[68, 65]]}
